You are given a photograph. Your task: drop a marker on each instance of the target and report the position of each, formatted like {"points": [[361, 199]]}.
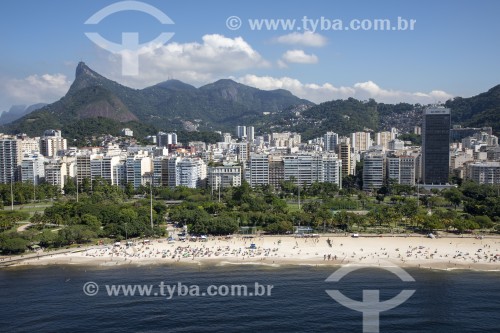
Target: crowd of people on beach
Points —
{"points": [[447, 253]]}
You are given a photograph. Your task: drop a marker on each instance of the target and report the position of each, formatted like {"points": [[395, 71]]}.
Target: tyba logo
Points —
{"points": [[129, 49], [370, 306]]}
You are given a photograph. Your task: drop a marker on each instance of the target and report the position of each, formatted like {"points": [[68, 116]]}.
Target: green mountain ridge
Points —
{"points": [[477, 111], [96, 105], [166, 106]]}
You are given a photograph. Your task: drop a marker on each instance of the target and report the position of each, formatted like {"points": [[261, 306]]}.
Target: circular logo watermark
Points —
{"points": [[129, 49], [370, 306]]}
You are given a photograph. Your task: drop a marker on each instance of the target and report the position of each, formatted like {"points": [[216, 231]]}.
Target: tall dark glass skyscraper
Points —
{"points": [[436, 145]]}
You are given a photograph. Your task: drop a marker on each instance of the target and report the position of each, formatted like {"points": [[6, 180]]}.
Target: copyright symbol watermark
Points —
{"points": [[90, 288], [233, 23]]}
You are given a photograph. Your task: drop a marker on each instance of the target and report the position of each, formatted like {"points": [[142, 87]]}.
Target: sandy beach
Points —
{"points": [[440, 253]]}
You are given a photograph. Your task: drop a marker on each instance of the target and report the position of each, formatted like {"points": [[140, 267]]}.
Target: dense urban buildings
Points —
{"points": [[265, 159]]}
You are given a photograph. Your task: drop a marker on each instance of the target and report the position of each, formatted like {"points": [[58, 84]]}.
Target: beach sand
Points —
{"points": [[440, 253]]}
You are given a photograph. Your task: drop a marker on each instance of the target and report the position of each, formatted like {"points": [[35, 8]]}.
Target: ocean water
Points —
{"points": [[52, 299]]}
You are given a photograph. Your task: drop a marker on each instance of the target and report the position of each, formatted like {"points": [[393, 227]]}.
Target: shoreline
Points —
{"points": [[447, 253]]}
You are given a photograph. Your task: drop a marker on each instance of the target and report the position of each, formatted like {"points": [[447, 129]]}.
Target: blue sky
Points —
{"points": [[452, 51]]}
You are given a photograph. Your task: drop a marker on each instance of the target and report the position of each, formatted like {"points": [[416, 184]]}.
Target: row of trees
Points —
{"points": [[263, 208], [104, 210], [24, 192]]}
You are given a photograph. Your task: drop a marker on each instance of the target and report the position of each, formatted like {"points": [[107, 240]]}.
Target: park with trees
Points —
{"points": [[104, 213]]}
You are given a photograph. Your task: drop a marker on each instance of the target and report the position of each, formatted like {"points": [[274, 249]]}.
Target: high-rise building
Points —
{"points": [[332, 169], [396, 144], [158, 165], [56, 173], [383, 138], [302, 169], [224, 176], [344, 154], [120, 174], [305, 169], [250, 134], [172, 138], [299, 169], [32, 168], [29, 145], [484, 172], [10, 159], [164, 139], [83, 169], [243, 150], [361, 141], [330, 141], [257, 172], [276, 170], [436, 145], [52, 142], [241, 132], [136, 166], [192, 172], [227, 137], [401, 169], [103, 167], [373, 170]]}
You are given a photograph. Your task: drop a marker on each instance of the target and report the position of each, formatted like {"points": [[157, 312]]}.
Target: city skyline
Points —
{"points": [[427, 64]]}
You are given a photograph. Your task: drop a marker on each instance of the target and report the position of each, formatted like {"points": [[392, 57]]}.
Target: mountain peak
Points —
{"points": [[86, 77], [175, 85], [83, 70]]}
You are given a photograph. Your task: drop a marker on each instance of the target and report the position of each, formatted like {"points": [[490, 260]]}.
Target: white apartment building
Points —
{"points": [[29, 145], [383, 138], [396, 144], [52, 142], [192, 172], [401, 169], [361, 141], [224, 176], [257, 172], [306, 169], [135, 167], [103, 167], [32, 168], [242, 151], [56, 173]]}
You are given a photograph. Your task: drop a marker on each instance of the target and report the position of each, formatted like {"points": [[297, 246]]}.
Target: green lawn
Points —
{"points": [[293, 207], [31, 208]]}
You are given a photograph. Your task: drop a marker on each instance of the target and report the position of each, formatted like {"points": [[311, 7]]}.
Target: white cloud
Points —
{"points": [[299, 57], [44, 88], [307, 38], [324, 92], [216, 56], [370, 89]]}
